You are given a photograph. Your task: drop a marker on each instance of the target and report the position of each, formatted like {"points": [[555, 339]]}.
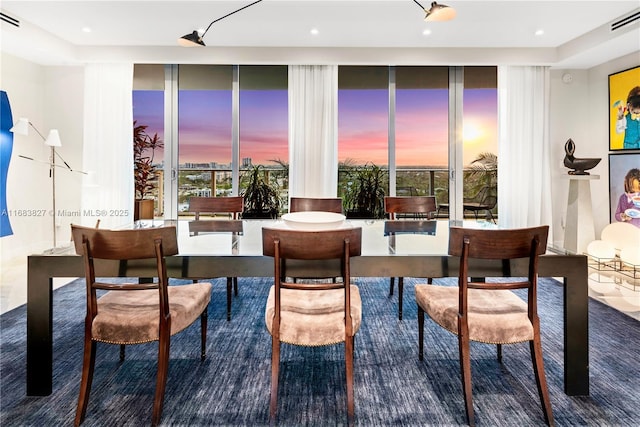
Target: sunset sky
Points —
{"points": [[421, 125]]}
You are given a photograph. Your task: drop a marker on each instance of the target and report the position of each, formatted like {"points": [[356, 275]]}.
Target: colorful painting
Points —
{"points": [[624, 187], [6, 147], [624, 110]]}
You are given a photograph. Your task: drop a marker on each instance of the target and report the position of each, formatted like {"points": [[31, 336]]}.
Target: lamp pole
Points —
{"points": [[52, 174], [52, 140]]}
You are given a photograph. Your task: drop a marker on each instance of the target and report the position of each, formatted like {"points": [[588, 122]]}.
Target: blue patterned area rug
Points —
{"points": [[231, 387]]}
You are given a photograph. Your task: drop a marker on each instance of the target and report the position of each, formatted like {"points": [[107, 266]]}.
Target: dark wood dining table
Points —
{"points": [[394, 253]]}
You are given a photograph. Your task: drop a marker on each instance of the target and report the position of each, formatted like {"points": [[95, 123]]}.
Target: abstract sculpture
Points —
{"points": [[579, 166]]}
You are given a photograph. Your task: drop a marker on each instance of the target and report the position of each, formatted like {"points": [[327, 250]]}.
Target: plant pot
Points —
{"points": [[143, 209]]}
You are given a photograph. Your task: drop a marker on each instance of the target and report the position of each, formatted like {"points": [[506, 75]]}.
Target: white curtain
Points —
{"points": [[524, 178], [313, 131], [108, 149]]}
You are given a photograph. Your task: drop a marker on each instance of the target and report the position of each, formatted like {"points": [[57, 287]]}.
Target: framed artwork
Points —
{"points": [[620, 165], [624, 110]]}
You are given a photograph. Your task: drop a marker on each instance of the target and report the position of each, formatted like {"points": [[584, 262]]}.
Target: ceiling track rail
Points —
{"points": [[9, 20], [623, 22]]}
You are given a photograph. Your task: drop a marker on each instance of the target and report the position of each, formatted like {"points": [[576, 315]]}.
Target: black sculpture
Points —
{"points": [[579, 166]]}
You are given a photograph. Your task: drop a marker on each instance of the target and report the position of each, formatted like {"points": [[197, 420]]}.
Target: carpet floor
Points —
{"points": [[392, 387]]}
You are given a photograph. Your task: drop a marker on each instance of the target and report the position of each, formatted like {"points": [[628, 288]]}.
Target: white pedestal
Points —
{"points": [[579, 230]]}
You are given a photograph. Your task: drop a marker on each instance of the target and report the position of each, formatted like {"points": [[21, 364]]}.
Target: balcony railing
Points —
{"points": [[427, 181]]}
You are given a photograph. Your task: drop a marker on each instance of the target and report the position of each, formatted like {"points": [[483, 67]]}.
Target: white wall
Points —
{"points": [[50, 97], [579, 110]]}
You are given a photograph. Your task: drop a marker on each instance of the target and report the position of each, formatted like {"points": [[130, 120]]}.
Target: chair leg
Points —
{"points": [[161, 381], [122, 351], [348, 356], [235, 286], [275, 371], [490, 215], [465, 371], [499, 346], [541, 381], [392, 282], [400, 292], [229, 286], [204, 317], [88, 364], [420, 333]]}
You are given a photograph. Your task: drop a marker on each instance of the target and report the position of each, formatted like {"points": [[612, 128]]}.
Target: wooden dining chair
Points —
{"points": [[414, 207], [231, 207], [485, 200], [135, 313], [313, 314], [489, 312], [316, 204], [303, 204]]}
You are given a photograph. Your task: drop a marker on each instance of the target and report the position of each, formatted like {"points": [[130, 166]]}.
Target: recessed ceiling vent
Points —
{"points": [[9, 20], [627, 20]]}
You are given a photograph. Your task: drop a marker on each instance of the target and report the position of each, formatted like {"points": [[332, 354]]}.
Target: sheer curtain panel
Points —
{"points": [[313, 130], [524, 178], [107, 191]]}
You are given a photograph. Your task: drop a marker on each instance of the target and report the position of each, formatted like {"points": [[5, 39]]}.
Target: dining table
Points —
{"points": [[406, 248]]}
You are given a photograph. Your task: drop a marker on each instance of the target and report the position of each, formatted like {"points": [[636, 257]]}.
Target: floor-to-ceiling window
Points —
{"points": [[148, 112], [480, 140], [421, 131], [396, 119], [230, 119], [399, 119], [363, 136], [204, 132], [264, 125]]}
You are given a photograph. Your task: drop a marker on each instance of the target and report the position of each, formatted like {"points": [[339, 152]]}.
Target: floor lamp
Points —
{"points": [[21, 127]]}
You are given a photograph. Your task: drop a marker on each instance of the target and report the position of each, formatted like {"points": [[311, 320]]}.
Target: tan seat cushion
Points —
{"points": [[313, 318], [495, 316], [129, 317]]}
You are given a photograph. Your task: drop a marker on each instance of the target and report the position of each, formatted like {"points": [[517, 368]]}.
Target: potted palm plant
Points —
{"points": [[261, 199], [364, 192], [144, 170]]}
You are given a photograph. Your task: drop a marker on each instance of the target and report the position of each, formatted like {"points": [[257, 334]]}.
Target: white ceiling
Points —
{"points": [[576, 33]]}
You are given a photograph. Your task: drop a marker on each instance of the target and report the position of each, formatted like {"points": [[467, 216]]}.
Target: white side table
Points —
{"points": [[579, 230]]}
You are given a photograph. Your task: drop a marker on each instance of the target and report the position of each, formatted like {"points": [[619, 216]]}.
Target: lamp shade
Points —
{"points": [[53, 139], [440, 12], [195, 39], [21, 126], [191, 40]]}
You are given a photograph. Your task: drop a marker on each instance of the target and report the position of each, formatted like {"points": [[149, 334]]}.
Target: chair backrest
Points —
{"points": [[311, 245], [320, 254], [489, 201], [125, 245], [419, 206], [479, 196], [497, 244], [232, 205], [302, 204]]}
